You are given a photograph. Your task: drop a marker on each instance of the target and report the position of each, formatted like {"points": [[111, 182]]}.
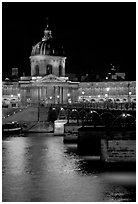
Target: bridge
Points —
{"points": [[79, 113], [84, 112], [95, 131]]}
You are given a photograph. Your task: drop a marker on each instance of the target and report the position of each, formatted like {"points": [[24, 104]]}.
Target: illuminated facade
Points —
{"points": [[48, 83], [117, 91], [47, 57]]}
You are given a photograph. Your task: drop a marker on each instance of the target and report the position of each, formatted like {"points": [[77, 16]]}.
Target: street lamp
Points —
{"points": [[129, 97], [19, 98], [98, 101], [128, 86], [83, 92], [58, 98], [108, 89], [68, 95], [106, 95], [130, 93]]}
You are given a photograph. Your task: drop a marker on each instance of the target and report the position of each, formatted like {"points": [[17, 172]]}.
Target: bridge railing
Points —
{"points": [[97, 105]]}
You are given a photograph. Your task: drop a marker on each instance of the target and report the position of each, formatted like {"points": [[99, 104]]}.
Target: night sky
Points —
{"points": [[93, 35]]}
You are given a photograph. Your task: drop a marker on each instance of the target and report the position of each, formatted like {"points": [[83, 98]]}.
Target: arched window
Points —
{"points": [[49, 69], [101, 100], [110, 100], [117, 100], [60, 70], [93, 100], [37, 70]]}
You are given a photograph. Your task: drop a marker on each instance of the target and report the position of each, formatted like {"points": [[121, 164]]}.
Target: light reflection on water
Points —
{"points": [[43, 169]]}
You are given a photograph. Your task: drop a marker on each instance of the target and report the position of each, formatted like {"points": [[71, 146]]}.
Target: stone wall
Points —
{"points": [[118, 150]]}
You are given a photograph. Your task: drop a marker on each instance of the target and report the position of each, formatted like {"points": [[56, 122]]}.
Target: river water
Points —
{"points": [[40, 168]]}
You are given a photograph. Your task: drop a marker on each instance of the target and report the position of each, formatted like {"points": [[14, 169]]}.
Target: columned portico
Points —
{"points": [[51, 90]]}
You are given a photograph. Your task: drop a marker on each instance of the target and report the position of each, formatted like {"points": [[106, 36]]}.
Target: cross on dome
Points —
{"points": [[47, 31]]}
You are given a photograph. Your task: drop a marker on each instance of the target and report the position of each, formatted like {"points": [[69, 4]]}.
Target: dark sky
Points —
{"points": [[93, 34]]}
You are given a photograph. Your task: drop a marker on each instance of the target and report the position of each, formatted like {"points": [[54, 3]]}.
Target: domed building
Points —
{"points": [[48, 83], [47, 57]]}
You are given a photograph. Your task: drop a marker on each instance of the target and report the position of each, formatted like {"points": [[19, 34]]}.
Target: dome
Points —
{"points": [[47, 46]]}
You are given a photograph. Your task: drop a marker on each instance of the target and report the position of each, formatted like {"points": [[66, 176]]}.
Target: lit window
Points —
{"points": [[60, 70], [49, 69], [107, 88]]}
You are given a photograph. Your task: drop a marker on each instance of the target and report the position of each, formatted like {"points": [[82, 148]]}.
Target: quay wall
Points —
{"points": [[118, 150], [111, 146]]}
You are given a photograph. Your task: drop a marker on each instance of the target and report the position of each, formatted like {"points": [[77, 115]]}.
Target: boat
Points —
{"points": [[11, 128]]}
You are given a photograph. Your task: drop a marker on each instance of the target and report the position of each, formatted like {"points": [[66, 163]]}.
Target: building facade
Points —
{"points": [[48, 83]]}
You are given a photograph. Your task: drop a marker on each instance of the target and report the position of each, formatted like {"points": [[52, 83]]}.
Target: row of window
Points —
{"points": [[112, 91], [48, 70]]}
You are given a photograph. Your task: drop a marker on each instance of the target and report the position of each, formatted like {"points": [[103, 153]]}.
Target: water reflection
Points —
{"points": [[41, 168]]}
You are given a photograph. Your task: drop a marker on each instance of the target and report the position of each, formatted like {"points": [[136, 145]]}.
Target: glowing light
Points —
{"points": [[83, 92], [98, 96], [68, 94], [19, 94], [124, 115], [50, 97], [107, 88], [57, 96], [11, 95], [106, 95], [130, 92], [61, 108], [106, 77]]}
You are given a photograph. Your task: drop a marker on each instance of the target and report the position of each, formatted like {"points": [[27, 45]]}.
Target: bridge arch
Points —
{"points": [[93, 118], [108, 118], [101, 100], [123, 121], [134, 100], [93, 100], [117, 100], [110, 100], [124, 100], [74, 115]]}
